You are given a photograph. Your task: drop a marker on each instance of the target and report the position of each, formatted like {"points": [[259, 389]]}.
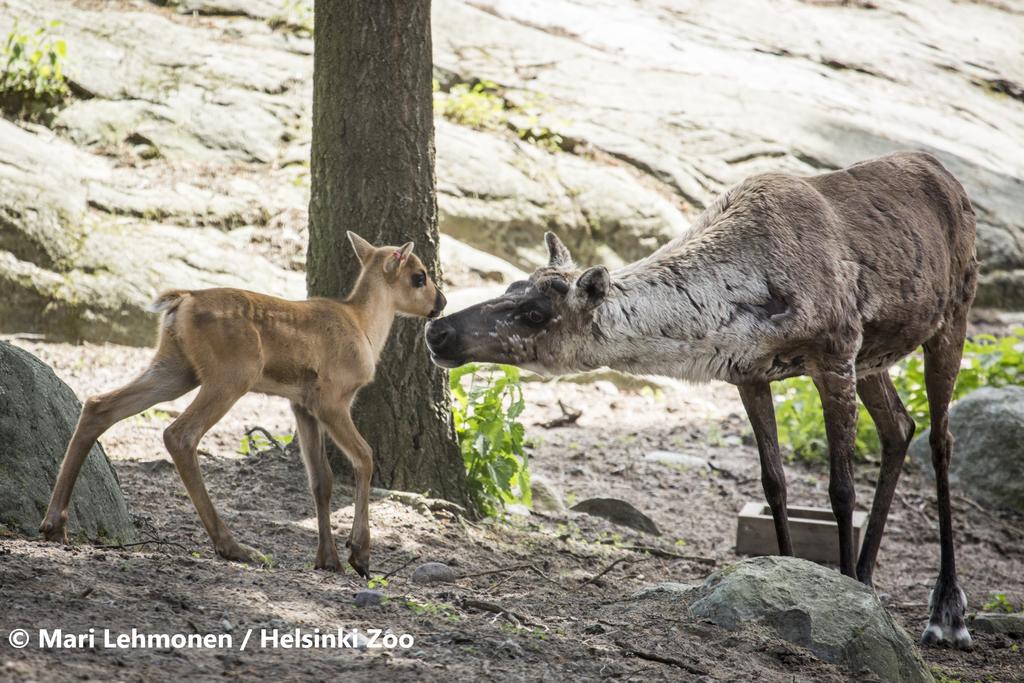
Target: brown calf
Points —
{"points": [[316, 353]]}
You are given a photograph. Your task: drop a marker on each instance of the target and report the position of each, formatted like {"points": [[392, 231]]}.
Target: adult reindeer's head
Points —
{"points": [[539, 323]]}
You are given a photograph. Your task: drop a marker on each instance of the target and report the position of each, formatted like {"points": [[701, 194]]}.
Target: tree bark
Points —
{"points": [[373, 173]]}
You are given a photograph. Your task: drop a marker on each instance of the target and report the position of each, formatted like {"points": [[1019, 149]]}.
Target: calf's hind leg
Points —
{"points": [[164, 380], [947, 602], [182, 438]]}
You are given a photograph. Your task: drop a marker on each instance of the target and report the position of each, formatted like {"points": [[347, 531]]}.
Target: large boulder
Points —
{"points": [[38, 414], [838, 619], [988, 453]]}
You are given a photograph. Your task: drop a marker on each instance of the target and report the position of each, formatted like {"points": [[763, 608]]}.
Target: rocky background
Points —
{"points": [[181, 158]]}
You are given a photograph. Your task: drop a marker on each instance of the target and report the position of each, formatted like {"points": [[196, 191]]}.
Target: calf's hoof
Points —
{"points": [[359, 559], [328, 561], [238, 552], [55, 530]]}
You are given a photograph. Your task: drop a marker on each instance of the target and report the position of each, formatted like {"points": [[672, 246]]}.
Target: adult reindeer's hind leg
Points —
{"points": [[947, 603], [895, 430]]}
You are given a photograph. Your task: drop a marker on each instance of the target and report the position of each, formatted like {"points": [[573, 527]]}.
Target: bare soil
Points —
{"points": [[528, 608]]}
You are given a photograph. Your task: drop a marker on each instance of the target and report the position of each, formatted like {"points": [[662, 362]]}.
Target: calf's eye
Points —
{"points": [[419, 280]]}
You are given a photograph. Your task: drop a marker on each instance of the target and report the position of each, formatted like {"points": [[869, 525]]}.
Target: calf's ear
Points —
{"points": [[394, 261], [363, 249], [593, 285]]}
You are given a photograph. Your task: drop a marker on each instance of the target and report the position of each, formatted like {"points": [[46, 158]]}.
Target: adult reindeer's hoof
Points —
{"points": [[946, 625], [55, 530]]}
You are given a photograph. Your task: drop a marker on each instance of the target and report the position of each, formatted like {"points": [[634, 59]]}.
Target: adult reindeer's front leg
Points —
{"points": [[338, 421], [837, 386], [757, 400]]}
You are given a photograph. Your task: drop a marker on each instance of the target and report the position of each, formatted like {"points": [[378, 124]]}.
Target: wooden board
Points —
{"points": [[813, 531]]}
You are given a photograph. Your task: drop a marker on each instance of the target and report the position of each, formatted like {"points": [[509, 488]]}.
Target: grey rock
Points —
{"points": [[38, 414], [672, 458], [546, 497], [368, 598], [618, 512], [998, 623], [988, 453], [433, 572], [834, 616]]}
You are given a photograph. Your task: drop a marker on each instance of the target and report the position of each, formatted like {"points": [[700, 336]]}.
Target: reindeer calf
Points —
{"points": [[316, 353]]}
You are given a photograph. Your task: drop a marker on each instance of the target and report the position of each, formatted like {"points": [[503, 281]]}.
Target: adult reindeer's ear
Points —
{"points": [[593, 285], [362, 248], [395, 260], [558, 255]]}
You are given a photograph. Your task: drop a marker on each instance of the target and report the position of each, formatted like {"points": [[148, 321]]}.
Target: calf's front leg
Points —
{"points": [[321, 481], [338, 422]]}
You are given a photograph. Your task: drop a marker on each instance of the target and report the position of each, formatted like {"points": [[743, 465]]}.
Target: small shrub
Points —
{"points": [[257, 441], [490, 436], [987, 361], [32, 80], [483, 106], [999, 603]]}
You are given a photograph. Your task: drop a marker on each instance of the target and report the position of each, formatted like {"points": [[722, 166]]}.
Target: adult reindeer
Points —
{"points": [[836, 276]]}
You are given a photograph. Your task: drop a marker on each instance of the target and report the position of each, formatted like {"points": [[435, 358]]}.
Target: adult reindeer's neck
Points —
{"points": [[663, 315]]}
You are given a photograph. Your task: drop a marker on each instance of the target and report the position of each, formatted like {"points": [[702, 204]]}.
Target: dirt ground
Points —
{"points": [[527, 608]]}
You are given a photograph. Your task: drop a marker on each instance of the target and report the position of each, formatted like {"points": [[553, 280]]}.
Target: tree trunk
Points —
{"points": [[373, 173]]}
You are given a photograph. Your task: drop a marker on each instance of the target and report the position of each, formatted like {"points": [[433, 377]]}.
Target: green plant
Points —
{"points": [[32, 80], [999, 603], [490, 436], [482, 105], [987, 361], [257, 441]]}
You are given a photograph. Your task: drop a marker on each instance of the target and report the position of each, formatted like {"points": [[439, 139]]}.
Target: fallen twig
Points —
{"points": [[569, 417], [661, 659], [500, 570], [498, 610], [604, 571], [667, 554], [154, 541], [266, 434], [403, 566]]}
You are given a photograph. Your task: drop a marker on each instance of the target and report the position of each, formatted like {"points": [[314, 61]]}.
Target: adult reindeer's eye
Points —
{"points": [[535, 317], [419, 280]]}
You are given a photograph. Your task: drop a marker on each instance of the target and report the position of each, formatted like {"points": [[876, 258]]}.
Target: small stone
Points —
{"points": [[517, 509], [545, 497], [227, 625], [673, 458], [998, 623], [368, 598], [618, 512], [433, 572]]}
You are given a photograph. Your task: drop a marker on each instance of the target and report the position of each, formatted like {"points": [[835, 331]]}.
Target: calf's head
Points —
{"points": [[399, 270], [538, 324]]}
